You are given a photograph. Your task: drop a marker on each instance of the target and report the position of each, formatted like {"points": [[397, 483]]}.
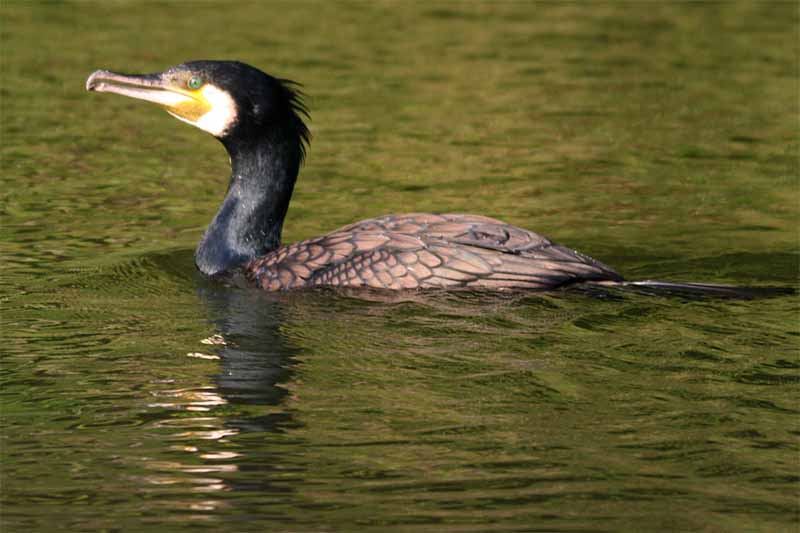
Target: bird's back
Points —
{"points": [[418, 250]]}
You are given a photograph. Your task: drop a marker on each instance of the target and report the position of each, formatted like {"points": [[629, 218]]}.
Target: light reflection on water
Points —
{"points": [[379, 425]]}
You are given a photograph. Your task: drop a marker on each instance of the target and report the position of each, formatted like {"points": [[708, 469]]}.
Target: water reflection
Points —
{"points": [[205, 423], [254, 356]]}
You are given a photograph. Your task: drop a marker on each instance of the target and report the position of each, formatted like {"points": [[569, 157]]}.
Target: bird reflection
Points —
{"points": [[245, 396], [255, 359]]}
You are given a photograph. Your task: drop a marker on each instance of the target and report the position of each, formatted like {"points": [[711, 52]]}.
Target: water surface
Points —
{"points": [[660, 139]]}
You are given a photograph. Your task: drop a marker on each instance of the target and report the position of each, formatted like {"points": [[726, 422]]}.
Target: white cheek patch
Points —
{"points": [[220, 117], [222, 114]]}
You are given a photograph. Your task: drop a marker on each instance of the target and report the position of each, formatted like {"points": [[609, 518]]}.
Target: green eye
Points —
{"points": [[194, 82]]}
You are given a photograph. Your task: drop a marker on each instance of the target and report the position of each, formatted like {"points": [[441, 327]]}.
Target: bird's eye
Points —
{"points": [[195, 82]]}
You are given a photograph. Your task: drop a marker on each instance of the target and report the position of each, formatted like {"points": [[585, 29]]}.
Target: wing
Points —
{"points": [[424, 250], [342, 258]]}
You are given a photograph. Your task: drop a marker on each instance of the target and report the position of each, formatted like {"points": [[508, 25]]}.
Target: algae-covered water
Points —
{"points": [[659, 138]]}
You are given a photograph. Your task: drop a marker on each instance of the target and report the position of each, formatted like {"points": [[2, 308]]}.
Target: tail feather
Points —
{"points": [[669, 288]]}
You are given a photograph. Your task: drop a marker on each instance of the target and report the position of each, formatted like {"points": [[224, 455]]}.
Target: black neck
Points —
{"points": [[249, 222]]}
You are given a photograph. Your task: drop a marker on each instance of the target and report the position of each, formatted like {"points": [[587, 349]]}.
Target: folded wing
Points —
{"points": [[423, 251]]}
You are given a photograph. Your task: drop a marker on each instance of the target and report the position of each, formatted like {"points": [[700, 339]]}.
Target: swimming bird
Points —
{"points": [[259, 119]]}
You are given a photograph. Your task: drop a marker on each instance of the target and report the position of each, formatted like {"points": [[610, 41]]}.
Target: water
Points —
{"points": [[661, 139]]}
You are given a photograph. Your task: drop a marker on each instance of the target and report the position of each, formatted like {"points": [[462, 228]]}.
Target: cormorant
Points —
{"points": [[259, 120]]}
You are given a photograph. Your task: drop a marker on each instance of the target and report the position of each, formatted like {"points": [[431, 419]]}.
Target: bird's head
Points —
{"points": [[228, 99]]}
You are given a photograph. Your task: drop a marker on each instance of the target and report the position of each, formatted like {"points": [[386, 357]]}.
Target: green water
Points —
{"points": [[660, 138]]}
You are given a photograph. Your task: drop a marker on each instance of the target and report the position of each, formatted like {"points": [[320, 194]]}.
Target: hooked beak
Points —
{"points": [[150, 87]]}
